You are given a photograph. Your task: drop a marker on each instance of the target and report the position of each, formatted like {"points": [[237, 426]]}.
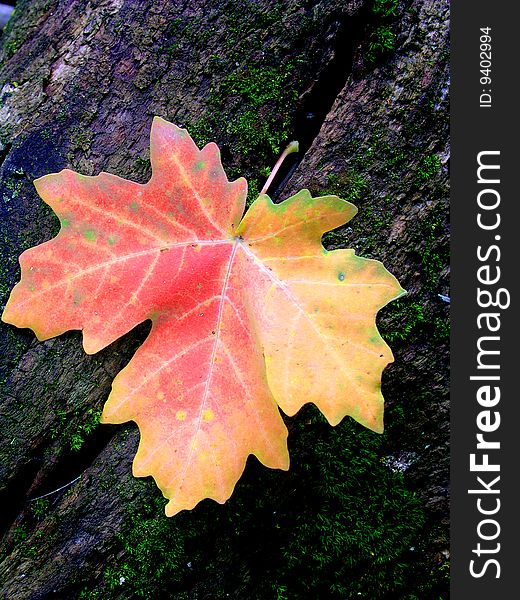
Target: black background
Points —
{"points": [[475, 129]]}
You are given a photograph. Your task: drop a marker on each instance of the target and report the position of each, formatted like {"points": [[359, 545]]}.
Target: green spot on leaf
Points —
{"points": [[134, 206], [77, 297], [90, 235]]}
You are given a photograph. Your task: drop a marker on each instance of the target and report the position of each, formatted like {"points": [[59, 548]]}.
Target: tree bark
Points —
{"points": [[364, 92]]}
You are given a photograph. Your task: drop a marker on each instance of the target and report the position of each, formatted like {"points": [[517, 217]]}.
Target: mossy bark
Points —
{"points": [[363, 86]]}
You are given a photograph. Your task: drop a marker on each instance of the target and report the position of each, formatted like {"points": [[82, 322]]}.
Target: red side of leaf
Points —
{"points": [[245, 315]]}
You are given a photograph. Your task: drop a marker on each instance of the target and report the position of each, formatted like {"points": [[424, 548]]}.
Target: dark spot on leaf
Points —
{"points": [[341, 276]]}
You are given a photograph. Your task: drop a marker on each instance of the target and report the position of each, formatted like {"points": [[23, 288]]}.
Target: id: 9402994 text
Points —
{"points": [[485, 67]]}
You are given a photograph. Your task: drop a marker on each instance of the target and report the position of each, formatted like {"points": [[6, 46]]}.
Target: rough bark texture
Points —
{"points": [[365, 91]]}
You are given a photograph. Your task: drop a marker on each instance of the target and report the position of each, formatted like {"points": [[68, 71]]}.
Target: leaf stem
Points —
{"points": [[292, 147]]}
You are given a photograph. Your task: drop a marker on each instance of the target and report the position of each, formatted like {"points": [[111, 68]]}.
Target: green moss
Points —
{"points": [[373, 217], [12, 242], [34, 549], [428, 168], [86, 594], [382, 38], [21, 24], [346, 532], [404, 318], [382, 41], [154, 551], [14, 185], [19, 534], [10, 48], [23, 536], [40, 507], [339, 524], [202, 131], [77, 438], [253, 191], [175, 33], [73, 438], [382, 155], [433, 256], [142, 164], [250, 108], [247, 16], [250, 112], [442, 329], [80, 139], [408, 320], [252, 132], [264, 171], [381, 158], [257, 85], [63, 114], [350, 185], [385, 8]]}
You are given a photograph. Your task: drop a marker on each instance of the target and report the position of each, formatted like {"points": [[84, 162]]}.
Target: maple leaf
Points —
{"points": [[247, 315]]}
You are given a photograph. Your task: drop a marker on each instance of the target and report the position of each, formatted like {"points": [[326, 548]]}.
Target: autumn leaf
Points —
{"points": [[247, 315]]}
